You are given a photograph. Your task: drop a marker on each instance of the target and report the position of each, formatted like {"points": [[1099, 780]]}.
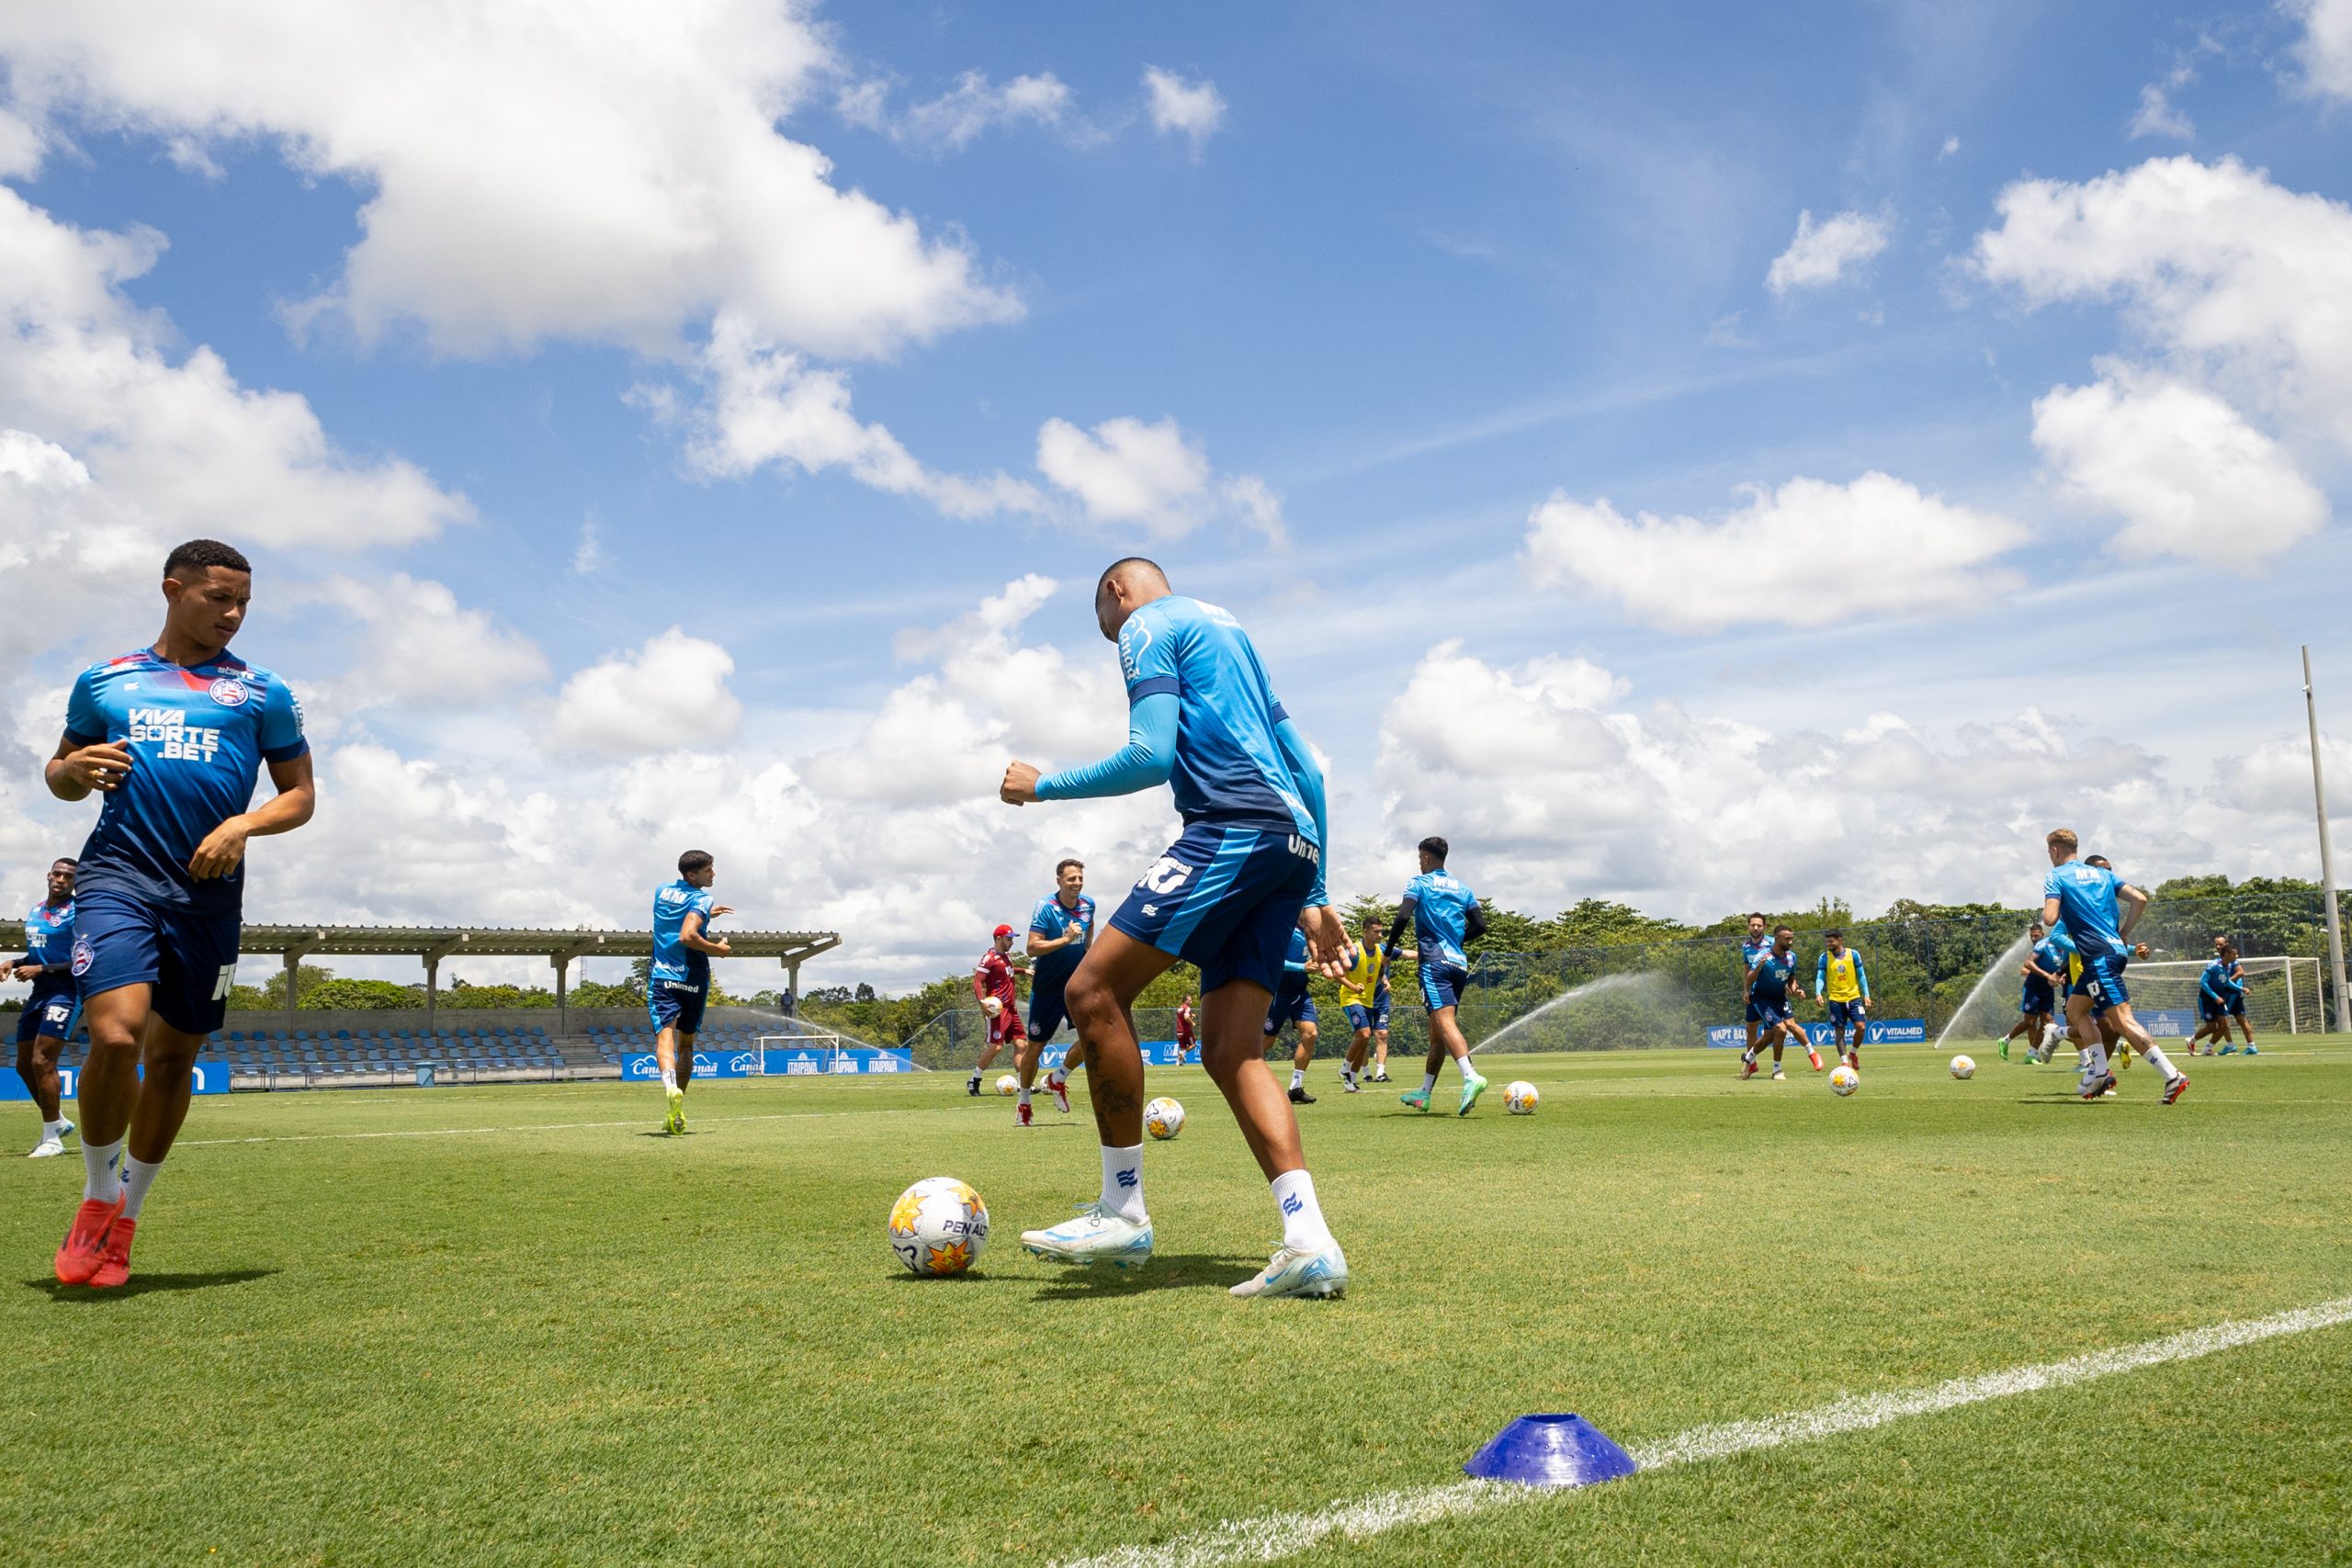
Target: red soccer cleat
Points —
{"points": [[2098, 1086], [1021, 1114], [1058, 1086], [84, 1248], [2174, 1090], [1813, 1057], [1748, 1071], [113, 1267]]}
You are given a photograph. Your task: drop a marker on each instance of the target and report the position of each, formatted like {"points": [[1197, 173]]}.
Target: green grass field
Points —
{"points": [[490, 1326]]}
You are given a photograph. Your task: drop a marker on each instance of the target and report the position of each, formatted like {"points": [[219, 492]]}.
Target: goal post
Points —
{"points": [[2282, 993]]}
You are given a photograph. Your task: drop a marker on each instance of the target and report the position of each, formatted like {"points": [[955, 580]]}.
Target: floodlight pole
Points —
{"points": [[2326, 858]]}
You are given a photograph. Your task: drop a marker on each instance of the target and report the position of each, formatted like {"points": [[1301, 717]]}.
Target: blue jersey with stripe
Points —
{"points": [[1752, 950], [198, 736], [1772, 971], [1294, 961], [48, 939], [2086, 895], [1442, 909], [2220, 981], [2051, 952], [673, 959], [1052, 919], [1229, 767]]}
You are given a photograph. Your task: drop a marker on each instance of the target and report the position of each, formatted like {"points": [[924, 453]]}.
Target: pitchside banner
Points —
{"points": [[2167, 1023], [849, 1061], [1881, 1032], [211, 1078]]}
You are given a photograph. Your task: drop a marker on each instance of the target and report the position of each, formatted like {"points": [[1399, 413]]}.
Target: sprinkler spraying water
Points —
{"points": [[1608, 985], [1986, 1011]]}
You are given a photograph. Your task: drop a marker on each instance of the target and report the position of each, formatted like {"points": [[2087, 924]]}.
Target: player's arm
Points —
{"points": [[1397, 929], [81, 764], [297, 799], [2050, 911], [2205, 985], [1861, 974], [1147, 757], [1747, 990], [690, 937], [1821, 974], [2137, 899], [979, 984]]}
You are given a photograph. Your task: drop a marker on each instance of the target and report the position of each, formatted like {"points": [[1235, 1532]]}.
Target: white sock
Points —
{"points": [[975, 1075], [137, 1177], [54, 1129], [2154, 1056], [1024, 1094], [1298, 1077], [1122, 1181], [669, 1083], [1303, 1226], [99, 1178], [1469, 1071], [2098, 1061], [1428, 1082], [1056, 1077]]}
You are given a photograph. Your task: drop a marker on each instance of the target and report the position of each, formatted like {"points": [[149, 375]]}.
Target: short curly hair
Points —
{"points": [[198, 554]]}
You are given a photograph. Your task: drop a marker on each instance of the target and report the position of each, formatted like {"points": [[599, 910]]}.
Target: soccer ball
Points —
{"points": [[1963, 1067], [1008, 1085], [1520, 1097], [938, 1226], [1163, 1118], [991, 1006], [1845, 1080]]}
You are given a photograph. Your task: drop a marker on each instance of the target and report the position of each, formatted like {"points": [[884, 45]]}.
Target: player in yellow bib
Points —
{"points": [[1363, 991], [1841, 980]]}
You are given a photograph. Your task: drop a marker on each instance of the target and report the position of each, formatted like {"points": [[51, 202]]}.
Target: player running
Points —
{"points": [[1292, 1005], [1753, 946], [1247, 869], [1842, 979], [678, 982], [2044, 974], [2234, 1006], [1445, 917], [53, 1009], [2086, 895], [1059, 933], [174, 737], [1364, 992], [1770, 985], [995, 983]]}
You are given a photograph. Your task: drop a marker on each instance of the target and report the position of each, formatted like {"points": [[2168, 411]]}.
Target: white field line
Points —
{"points": [[1270, 1537], [526, 1127]]}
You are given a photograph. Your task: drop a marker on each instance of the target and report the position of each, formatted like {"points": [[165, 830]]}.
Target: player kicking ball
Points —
{"points": [[175, 737], [53, 1009], [1770, 985], [678, 982], [1247, 870], [2086, 895], [1445, 919]]}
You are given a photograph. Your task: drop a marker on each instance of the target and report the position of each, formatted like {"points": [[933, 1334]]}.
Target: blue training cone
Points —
{"points": [[1550, 1450]]}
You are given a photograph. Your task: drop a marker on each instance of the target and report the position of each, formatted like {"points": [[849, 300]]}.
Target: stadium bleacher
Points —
{"points": [[261, 1053]]}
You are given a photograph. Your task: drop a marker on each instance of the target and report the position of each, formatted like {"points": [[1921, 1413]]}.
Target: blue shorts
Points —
{"points": [[2037, 997], [188, 958], [1225, 900], [2208, 1010], [1442, 984], [1373, 1016], [2236, 1007], [1854, 1015], [1754, 1016], [2102, 981], [1046, 1014], [49, 1015], [1769, 1013], [677, 1004], [1292, 1004]]}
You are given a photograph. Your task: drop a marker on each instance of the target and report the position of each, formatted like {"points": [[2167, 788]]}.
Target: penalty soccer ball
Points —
{"points": [[991, 1006], [1520, 1097], [1163, 1118], [1008, 1085], [938, 1226], [1963, 1067], [1845, 1081]]}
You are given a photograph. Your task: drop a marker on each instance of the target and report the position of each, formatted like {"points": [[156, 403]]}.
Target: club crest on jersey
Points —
{"points": [[84, 956], [229, 692]]}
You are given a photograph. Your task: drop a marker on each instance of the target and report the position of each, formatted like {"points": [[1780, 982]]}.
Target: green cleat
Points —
{"points": [[675, 1122], [1419, 1099], [1472, 1087], [2005, 1050]]}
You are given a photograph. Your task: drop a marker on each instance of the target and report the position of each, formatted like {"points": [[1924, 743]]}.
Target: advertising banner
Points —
{"points": [[211, 1076], [1881, 1032], [807, 1061]]}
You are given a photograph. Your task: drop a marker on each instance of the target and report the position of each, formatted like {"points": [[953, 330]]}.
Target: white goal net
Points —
{"points": [[2282, 995]]}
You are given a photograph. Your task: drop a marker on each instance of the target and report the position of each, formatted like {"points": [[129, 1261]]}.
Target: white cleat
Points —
{"points": [[1323, 1274], [48, 1148], [1058, 1086], [1095, 1234]]}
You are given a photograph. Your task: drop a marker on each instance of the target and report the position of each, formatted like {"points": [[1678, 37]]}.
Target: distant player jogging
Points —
{"points": [[1770, 985], [1364, 994], [996, 984], [678, 982], [1246, 870], [1842, 981], [2221, 996], [1294, 1007], [174, 737], [1445, 919], [1188, 1040], [1753, 946], [1059, 933], [52, 1009], [2044, 974], [2086, 898]]}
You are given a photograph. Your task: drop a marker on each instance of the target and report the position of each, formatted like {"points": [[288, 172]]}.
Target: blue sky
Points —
{"points": [[1517, 374]]}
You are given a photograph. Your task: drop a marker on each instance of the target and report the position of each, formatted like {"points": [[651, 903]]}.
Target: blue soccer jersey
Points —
{"points": [[1055, 918], [2086, 895], [673, 959], [1294, 961], [1752, 950], [1442, 909], [2051, 952], [198, 736], [1772, 971], [49, 938], [2214, 985]]}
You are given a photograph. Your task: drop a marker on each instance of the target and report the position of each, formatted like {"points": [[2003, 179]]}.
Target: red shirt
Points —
{"points": [[1184, 1026], [995, 971]]}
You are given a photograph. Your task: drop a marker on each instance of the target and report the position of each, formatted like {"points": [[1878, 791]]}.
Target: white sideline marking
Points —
{"points": [[1270, 1537], [470, 1131]]}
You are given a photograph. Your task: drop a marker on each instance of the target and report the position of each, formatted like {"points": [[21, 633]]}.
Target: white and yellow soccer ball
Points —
{"points": [[991, 1006], [1008, 1085], [1520, 1097], [1845, 1080], [1963, 1067], [938, 1226], [1163, 1118]]}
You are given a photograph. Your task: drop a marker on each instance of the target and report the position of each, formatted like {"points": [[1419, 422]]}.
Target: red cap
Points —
{"points": [[1005, 930]]}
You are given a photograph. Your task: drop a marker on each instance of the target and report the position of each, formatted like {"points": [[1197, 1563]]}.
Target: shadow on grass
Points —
{"points": [[142, 1284], [1166, 1272]]}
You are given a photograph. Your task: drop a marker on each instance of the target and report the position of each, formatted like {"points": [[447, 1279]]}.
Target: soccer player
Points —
{"points": [[174, 737], [1364, 992], [1247, 868], [1444, 916], [677, 984], [994, 983], [1770, 985], [1293, 1005], [1059, 933], [2234, 1005], [1755, 945], [2212, 1003], [1842, 980], [2086, 896], [1187, 1042], [50, 1012], [2044, 971]]}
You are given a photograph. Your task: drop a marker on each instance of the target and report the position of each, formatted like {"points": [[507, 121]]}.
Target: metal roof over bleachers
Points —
{"points": [[434, 942]]}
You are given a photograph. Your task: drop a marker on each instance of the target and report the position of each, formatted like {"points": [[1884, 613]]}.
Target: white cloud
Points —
{"points": [[605, 173], [2156, 116], [669, 694], [1195, 109], [590, 556], [1153, 474], [2186, 472], [1951, 146], [1903, 554], [961, 115], [2324, 51], [1820, 254], [418, 644]]}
